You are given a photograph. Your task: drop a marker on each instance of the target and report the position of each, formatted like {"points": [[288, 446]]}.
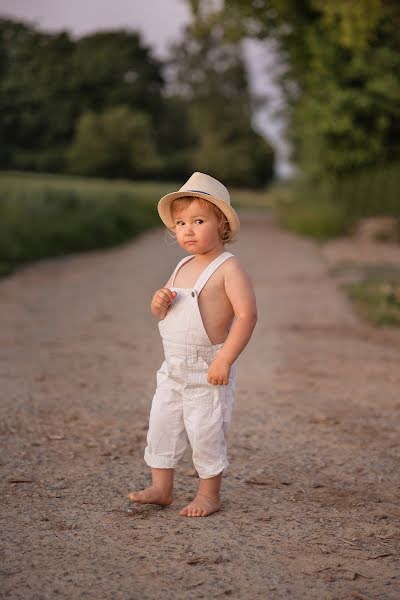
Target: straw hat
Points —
{"points": [[200, 185]]}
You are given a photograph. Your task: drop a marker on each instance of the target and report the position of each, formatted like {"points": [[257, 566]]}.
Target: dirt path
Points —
{"points": [[311, 498]]}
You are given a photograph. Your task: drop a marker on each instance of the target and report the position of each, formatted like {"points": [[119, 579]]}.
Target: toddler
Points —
{"points": [[207, 313]]}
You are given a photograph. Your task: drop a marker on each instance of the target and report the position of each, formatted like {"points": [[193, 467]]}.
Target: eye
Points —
{"points": [[180, 223], [199, 221]]}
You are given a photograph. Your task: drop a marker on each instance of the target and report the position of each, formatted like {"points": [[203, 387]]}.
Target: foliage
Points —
{"points": [[332, 206], [378, 300], [98, 105], [36, 111], [209, 72], [115, 143], [341, 82], [115, 68], [43, 216], [52, 215]]}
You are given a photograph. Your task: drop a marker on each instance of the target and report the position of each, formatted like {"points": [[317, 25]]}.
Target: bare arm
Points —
{"points": [[241, 294]]}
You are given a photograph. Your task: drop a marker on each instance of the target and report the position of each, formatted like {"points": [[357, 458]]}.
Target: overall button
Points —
{"points": [[193, 294]]}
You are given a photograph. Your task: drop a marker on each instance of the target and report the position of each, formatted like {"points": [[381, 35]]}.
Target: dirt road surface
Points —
{"points": [[311, 500]]}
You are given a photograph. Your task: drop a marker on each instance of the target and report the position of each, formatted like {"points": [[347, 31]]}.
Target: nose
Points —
{"points": [[188, 229]]}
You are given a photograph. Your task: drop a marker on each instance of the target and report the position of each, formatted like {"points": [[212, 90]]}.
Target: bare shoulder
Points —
{"points": [[233, 267], [236, 277]]}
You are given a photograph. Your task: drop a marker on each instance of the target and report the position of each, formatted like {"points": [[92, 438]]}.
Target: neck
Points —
{"points": [[207, 257]]}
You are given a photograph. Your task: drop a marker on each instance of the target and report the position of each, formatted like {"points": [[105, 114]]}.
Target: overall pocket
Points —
{"points": [[176, 367]]}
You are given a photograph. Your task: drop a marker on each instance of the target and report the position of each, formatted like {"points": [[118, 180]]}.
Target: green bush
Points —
{"points": [[330, 207], [321, 220], [43, 216], [116, 142]]}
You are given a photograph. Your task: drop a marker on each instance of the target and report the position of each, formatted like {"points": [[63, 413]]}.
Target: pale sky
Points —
{"points": [[160, 22]]}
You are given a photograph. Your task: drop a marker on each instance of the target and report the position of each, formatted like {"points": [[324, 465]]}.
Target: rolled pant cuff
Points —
{"points": [[208, 473], [159, 462]]}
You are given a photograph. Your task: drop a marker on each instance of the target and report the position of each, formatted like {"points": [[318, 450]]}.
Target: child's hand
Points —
{"points": [[161, 302], [218, 372]]}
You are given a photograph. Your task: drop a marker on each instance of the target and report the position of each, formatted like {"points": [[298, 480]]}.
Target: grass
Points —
{"points": [[377, 300], [374, 289], [309, 215], [51, 215], [333, 206]]}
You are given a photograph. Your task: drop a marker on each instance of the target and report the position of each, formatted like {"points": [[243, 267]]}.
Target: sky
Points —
{"points": [[160, 22]]}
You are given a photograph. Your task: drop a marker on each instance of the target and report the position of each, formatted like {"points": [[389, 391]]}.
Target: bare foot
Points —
{"points": [[201, 506], [151, 495]]}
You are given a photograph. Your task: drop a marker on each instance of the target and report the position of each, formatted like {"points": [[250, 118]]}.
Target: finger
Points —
{"points": [[168, 292], [162, 295], [165, 301], [160, 303]]}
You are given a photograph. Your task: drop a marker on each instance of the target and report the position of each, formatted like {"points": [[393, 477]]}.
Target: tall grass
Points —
{"points": [[370, 192], [51, 215], [47, 215], [332, 206]]}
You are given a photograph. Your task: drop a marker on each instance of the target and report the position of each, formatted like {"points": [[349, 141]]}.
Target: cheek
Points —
{"points": [[213, 232]]}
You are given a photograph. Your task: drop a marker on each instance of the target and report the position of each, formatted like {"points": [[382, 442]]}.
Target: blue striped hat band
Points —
{"points": [[201, 192]]}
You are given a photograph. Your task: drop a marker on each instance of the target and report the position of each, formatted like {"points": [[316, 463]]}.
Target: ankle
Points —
{"points": [[209, 495], [165, 490]]}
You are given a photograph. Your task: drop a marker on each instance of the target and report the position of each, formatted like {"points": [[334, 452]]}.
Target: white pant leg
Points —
{"points": [[207, 412], [166, 438]]}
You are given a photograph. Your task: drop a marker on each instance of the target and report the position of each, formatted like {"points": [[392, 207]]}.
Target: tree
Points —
{"points": [[118, 142], [36, 111], [209, 73], [47, 81], [341, 87], [115, 68]]}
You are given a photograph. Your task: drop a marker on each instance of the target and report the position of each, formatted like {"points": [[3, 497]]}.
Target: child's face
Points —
{"points": [[196, 227]]}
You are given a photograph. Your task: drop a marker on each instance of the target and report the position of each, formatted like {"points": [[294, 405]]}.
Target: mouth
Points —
{"points": [[190, 242]]}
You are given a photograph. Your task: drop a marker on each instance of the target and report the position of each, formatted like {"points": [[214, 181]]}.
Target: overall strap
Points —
{"points": [[208, 271], [178, 266]]}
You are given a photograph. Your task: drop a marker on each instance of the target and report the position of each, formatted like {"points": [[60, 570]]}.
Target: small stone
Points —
{"points": [[315, 483]]}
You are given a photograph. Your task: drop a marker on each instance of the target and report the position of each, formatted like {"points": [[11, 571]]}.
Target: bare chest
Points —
{"points": [[214, 305]]}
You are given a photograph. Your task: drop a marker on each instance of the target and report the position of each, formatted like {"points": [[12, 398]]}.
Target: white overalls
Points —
{"points": [[185, 406]]}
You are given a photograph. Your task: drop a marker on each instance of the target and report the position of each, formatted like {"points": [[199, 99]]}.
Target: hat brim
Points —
{"points": [[164, 208]]}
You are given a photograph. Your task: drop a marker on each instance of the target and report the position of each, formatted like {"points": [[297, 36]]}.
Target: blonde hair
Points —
{"points": [[224, 229]]}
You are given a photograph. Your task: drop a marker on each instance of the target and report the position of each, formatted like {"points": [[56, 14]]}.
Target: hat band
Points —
{"points": [[201, 192]]}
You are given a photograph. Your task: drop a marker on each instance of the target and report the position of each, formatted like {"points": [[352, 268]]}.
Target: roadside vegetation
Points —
{"points": [[334, 206], [52, 215]]}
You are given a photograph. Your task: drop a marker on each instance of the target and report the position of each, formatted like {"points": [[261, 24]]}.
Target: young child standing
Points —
{"points": [[207, 313]]}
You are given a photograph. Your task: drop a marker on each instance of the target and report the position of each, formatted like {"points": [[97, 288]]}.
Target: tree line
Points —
{"points": [[342, 81], [99, 105]]}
